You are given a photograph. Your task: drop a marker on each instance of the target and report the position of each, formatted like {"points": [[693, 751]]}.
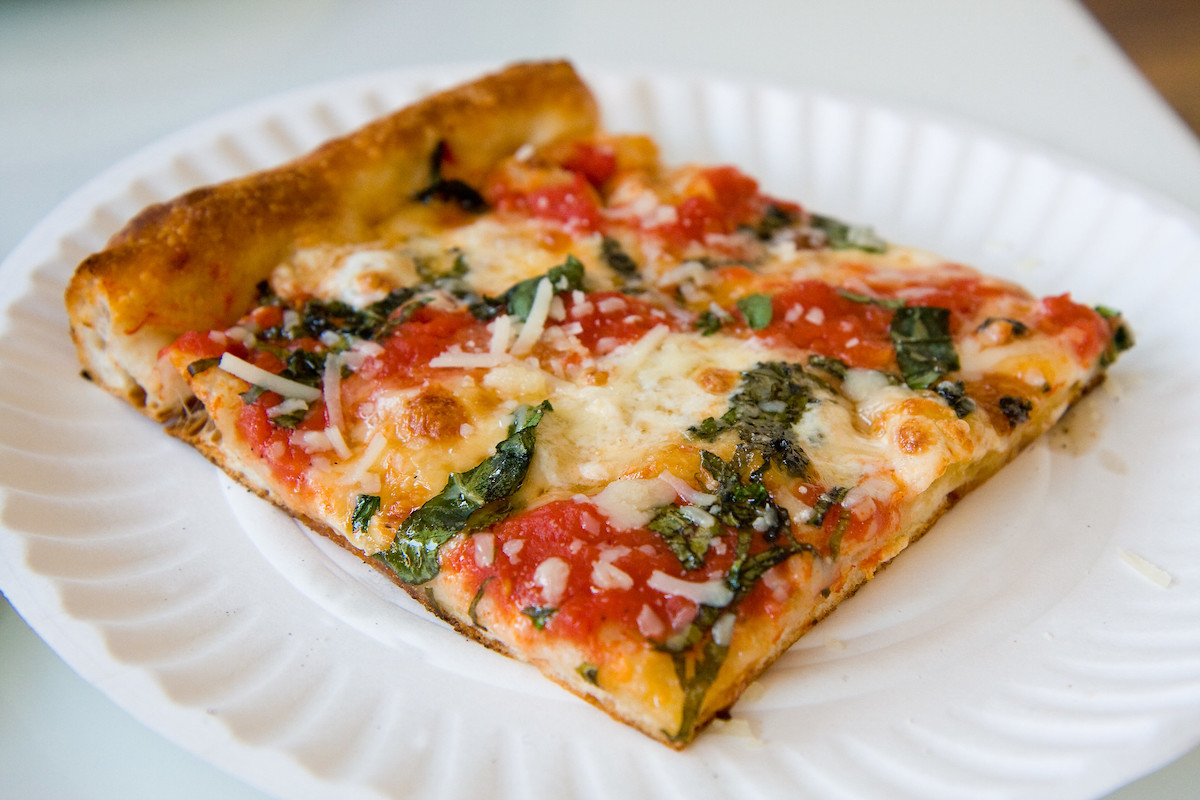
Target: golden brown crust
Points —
{"points": [[193, 263]]}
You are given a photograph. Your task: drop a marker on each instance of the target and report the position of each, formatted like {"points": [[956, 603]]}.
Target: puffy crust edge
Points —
{"points": [[193, 263]]}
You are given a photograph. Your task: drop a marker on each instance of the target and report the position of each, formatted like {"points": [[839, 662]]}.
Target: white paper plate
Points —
{"points": [[1013, 652]]}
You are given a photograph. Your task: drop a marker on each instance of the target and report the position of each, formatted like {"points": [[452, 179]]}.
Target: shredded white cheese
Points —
{"points": [[710, 593], [268, 380], [535, 323]]}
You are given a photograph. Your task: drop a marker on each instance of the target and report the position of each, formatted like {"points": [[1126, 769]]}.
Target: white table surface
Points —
{"points": [[84, 84]]}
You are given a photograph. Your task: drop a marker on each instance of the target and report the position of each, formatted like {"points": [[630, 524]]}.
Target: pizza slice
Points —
{"points": [[641, 426]]}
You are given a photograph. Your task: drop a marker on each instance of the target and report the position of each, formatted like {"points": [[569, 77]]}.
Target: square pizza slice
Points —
{"points": [[639, 425]]}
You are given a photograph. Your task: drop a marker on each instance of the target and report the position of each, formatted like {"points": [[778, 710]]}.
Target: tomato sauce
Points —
{"points": [[610, 319], [578, 534], [811, 315], [1088, 332]]}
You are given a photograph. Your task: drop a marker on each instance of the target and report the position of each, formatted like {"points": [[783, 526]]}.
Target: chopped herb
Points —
{"points": [[834, 366], [1018, 328], [883, 302], [471, 609], [955, 395], [201, 364], [756, 310], [695, 676], [924, 349], [565, 277], [364, 508], [304, 366], [1015, 409], [539, 615], [252, 394], [841, 236], [827, 500], [589, 672], [772, 397], [709, 322], [414, 553], [291, 419], [839, 530], [774, 219], [1122, 336], [450, 190], [687, 537], [614, 255]]}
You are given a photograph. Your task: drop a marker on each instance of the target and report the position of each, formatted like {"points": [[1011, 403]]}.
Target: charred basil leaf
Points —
{"points": [[1122, 336], [924, 349], [614, 255], [1018, 328], [840, 236], [467, 497], [955, 395], [449, 190], [364, 508], [454, 191], [201, 364], [1015, 409], [774, 219], [756, 310], [589, 672]]}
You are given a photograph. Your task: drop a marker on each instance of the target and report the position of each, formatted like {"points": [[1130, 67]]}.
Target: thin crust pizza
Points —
{"points": [[641, 426]]}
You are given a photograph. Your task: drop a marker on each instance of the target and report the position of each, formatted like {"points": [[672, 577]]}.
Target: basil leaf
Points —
{"points": [[924, 349], [771, 399], [955, 395], [471, 610], [695, 676], [1122, 336], [365, 507], [589, 672], [774, 220], [709, 322], [883, 302], [413, 555], [827, 500], [1018, 328], [688, 539], [1016, 409], [756, 310], [539, 615], [614, 255], [201, 364], [841, 236], [565, 277]]}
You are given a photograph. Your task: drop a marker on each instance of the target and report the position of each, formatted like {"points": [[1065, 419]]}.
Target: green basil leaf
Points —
{"points": [[756, 310], [883, 302], [924, 349], [565, 277], [539, 615], [365, 507], [414, 553], [841, 236]]}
